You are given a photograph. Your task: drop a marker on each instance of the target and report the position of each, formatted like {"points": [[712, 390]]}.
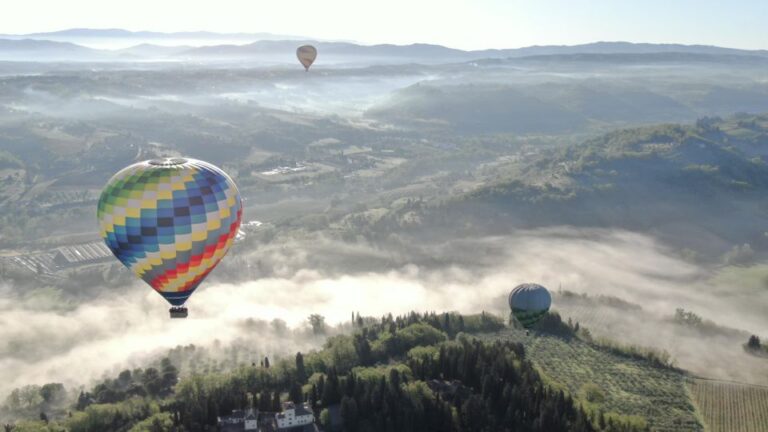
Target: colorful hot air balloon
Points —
{"points": [[529, 302], [170, 221], [306, 55]]}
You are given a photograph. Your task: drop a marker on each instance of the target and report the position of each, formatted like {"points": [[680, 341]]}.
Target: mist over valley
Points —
{"points": [[390, 193]]}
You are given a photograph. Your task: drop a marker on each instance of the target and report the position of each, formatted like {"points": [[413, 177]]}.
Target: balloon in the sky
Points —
{"points": [[170, 221], [529, 302], [306, 55]]}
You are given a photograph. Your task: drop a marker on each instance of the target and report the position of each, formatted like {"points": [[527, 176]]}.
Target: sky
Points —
{"points": [[473, 24]]}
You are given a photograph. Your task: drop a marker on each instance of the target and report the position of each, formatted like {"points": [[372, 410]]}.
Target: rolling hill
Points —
{"points": [[610, 382], [477, 109], [43, 50], [680, 182], [552, 106]]}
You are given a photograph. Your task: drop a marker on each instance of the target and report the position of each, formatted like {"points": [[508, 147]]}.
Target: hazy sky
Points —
{"points": [[457, 23]]}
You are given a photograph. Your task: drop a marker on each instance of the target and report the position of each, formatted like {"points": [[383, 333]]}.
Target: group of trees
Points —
{"points": [[687, 318], [128, 399], [755, 346], [460, 386], [754, 342], [33, 400], [398, 373], [412, 372], [151, 382]]}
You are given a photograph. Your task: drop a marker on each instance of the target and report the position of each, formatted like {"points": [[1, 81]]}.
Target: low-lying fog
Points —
{"points": [[98, 336], [288, 91]]}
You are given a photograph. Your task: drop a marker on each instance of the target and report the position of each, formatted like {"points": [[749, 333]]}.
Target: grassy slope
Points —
{"points": [[707, 349], [630, 386]]}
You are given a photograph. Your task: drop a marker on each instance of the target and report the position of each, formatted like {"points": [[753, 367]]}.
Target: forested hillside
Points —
{"points": [[700, 187], [411, 373]]}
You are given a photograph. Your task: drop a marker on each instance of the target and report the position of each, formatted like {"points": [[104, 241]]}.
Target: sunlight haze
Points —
{"points": [[458, 24], [376, 216]]}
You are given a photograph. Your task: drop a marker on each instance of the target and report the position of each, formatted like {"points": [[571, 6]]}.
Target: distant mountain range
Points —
{"points": [[269, 47], [32, 45], [618, 48], [439, 52], [43, 50], [338, 49], [127, 34]]}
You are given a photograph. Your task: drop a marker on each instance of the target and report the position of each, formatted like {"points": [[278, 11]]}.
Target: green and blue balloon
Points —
{"points": [[529, 302]]}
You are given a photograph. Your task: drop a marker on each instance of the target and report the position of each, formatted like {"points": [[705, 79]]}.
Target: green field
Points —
{"points": [[627, 386], [730, 407]]}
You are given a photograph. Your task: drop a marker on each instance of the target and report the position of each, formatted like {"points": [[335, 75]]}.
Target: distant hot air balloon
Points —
{"points": [[306, 55], [529, 302], [170, 221]]}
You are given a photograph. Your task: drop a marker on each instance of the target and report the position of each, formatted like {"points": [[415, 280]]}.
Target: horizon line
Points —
{"points": [[289, 37]]}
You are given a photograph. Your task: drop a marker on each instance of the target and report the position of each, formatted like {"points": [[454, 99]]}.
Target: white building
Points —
{"points": [[239, 421], [294, 416], [251, 421], [82, 254]]}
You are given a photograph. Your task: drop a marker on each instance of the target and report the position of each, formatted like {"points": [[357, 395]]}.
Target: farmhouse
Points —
{"points": [[294, 416]]}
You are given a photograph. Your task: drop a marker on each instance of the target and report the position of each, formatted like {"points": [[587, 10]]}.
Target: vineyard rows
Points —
{"points": [[731, 407], [630, 386]]}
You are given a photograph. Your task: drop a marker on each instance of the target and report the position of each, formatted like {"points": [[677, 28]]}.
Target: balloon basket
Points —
{"points": [[178, 312]]}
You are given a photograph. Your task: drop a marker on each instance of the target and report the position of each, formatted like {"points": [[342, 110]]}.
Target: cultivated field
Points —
{"points": [[730, 407], [626, 386]]}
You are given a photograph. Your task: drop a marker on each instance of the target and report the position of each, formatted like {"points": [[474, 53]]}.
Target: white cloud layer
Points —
{"points": [[102, 335]]}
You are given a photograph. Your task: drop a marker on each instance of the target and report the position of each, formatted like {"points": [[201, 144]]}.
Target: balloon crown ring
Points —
{"points": [[167, 162]]}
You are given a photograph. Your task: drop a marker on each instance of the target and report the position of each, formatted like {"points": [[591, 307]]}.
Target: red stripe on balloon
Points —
{"points": [[195, 260]]}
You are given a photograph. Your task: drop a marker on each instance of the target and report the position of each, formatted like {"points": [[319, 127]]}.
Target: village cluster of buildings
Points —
{"points": [[62, 258], [52, 261], [293, 418]]}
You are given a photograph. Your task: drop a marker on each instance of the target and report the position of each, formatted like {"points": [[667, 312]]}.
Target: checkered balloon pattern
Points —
{"points": [[170, 221]]}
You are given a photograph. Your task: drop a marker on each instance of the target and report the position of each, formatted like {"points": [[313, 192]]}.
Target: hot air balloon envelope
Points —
{"points": [[306, 55], [170, 221], [529, 302]]}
